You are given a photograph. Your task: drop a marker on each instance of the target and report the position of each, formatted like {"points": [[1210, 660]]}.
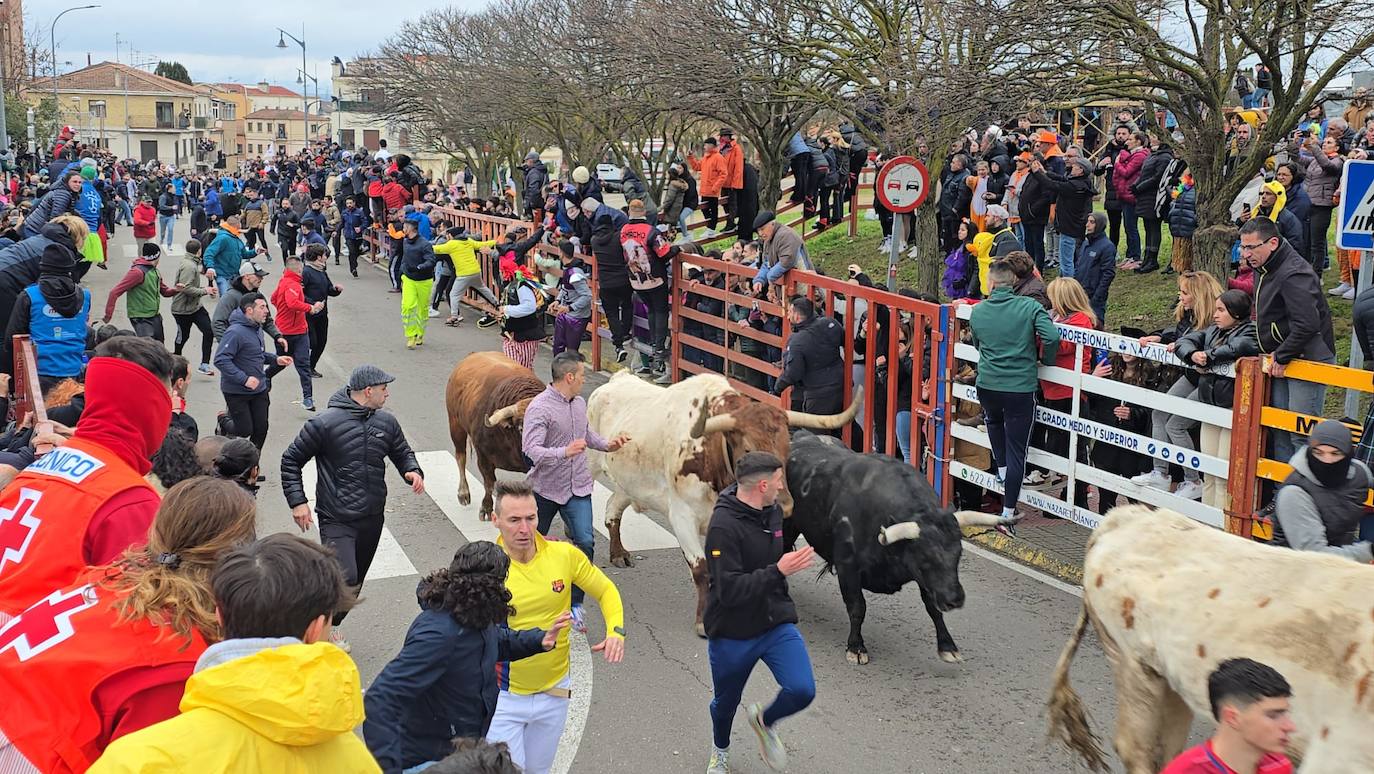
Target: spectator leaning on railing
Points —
{"points": [[1320, 504]]}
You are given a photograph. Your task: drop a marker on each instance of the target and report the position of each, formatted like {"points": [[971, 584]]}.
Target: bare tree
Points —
{"points": [[1181, 56]]}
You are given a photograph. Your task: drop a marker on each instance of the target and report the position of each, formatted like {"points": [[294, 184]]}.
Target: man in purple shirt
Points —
{"points": [[555, 441]]}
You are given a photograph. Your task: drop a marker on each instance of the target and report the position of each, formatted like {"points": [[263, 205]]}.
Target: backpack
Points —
{"points": [[637, 259]]}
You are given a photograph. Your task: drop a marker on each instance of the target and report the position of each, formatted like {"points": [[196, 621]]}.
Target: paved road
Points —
{"points": [[905, 712]]}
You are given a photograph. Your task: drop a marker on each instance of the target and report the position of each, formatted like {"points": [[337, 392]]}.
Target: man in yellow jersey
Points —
{"points": [[533, 703]]}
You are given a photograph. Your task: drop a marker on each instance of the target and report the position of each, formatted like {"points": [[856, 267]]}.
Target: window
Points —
{"points": [[240, 150], [403, 138], [97, 107], [281, 131], [314, 129], [229, 111], [214, 110], [165, 115], [373, 95], [346, 138], [370, 138]]}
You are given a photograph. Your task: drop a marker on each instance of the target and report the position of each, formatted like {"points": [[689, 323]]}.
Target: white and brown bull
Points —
{"points": [[486, 398], [1171, 598], [685, 441]]}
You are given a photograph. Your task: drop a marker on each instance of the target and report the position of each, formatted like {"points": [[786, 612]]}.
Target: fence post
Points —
{"points": [[942, 363], [1247, 445]]}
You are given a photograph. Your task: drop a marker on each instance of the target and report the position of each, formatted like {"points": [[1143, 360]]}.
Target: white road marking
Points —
{"points": [[637, 531], [579, 706], [391, 560], [177, 249], [1033, 574]]}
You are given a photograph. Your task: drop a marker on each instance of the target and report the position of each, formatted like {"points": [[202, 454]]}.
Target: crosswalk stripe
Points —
{"points": [[637, 531], [391, 560]]}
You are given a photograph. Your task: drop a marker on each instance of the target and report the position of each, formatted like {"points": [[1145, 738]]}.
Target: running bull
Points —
{"points": [[486, 398], [687, 438], [1171, 598], [877, 523]]}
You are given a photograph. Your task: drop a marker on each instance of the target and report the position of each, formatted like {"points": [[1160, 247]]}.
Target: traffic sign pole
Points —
{"points": [[1362, 283], [894, 250]]}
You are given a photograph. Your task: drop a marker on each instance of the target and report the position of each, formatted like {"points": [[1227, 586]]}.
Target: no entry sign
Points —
{"points": [[903, 184]]}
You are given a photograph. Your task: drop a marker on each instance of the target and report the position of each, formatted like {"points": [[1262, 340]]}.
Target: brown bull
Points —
{"points": [[484, 384]]}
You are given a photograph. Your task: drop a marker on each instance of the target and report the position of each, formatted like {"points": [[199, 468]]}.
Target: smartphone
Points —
{"points": [[1099, 357]]}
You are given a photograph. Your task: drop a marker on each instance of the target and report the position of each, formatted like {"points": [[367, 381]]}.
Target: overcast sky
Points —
{"points": [[225, 41]]}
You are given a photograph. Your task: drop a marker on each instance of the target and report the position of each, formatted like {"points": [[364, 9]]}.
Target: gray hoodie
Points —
{"points": [[1302, 522]]}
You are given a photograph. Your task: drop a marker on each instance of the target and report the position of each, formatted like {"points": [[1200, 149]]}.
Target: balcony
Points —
{"points": [[148, 121], [356, 106], [201, 122]]}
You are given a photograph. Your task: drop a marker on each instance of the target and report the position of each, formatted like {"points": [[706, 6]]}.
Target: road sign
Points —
{"points": [[1355, 228], [903, 184]]}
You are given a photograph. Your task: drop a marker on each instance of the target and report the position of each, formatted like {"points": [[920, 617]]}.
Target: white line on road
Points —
{"points": [[391, 560], [1048, 580], [442, 477], [579, 706]]}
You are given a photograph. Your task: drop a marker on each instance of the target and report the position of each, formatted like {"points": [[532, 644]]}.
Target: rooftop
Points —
{"points": [[113, 76]]}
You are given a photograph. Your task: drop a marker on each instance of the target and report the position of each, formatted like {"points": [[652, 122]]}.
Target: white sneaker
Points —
{"points": [[1152, 479], [870, 215], [719, 762], [770, 744], [886, 246], [433, 312], [1349, 295], [1036, 478], [1340, 289], [912, 252], [710, 232], [1189, 490]]}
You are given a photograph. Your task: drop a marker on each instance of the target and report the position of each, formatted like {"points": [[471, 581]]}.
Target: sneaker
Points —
{"points": [[1189, 490], [316, 374], [206, 369], [719, 762], [621, 354], [1349, 295], [487, 321], [354, 272], [1340, 289], [1035, 480], [770, 744], [433, 312], [410, 343], [710, 233], [579, 621], [665, 379], [644, 370], [1153, 479], [911, 253], [339, 642], [886, 246], [308, 404]]}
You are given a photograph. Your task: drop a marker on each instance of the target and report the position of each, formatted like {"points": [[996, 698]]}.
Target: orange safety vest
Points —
{"points": [[44, 514], [55, 654]]}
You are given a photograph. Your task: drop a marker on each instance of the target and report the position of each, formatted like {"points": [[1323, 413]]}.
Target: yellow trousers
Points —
{"points": [[415, 307]]}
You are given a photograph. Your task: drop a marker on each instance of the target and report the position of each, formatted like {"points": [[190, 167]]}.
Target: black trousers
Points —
{"points": [[249, 415], [319, 337], [355, 545], [354, 247], [1009, 417], [200, 319], [288, 244], [619, 305], [1114, 224], [801, 174], [440, 293], [710, 210], [1320, 224], [334, 238], [148, 327], [731, 197], [824, 400], [657, 299], [256, 237]]}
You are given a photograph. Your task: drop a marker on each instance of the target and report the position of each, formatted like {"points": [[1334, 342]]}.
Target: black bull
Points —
{"points": [[878, 525]]}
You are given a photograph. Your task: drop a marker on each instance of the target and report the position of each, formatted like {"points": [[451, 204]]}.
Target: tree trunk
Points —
{"points": [[770, 176], [1213, 239], [929, 263]]}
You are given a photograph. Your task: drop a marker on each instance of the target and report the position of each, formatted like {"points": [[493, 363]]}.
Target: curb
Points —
{"points": [[1028, 555]]}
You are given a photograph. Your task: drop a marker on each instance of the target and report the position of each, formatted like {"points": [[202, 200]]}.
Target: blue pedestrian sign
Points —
{"points": [[1355, 228]]}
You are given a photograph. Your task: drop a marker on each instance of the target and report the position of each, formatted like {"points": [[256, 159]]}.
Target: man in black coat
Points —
{"points": [[812, 359], [351, 442], [317, 287]]}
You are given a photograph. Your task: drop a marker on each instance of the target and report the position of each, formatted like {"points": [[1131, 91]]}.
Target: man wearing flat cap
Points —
{"points": [[350, 442]]}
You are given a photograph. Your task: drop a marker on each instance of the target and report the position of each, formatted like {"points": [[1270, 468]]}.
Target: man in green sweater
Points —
{"points": [[146, 291], [1013, 335]]}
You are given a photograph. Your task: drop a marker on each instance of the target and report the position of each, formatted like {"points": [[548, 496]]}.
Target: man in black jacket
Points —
{"points": [[749, 615], [1292, 319], [812, 359], [317, 287], [351, 442], [1074, 200]]}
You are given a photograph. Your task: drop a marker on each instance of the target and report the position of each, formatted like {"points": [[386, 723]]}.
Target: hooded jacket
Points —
{"points": [[1095, 268], [1311, 517], [746, 593], [1289, 225], [63, 340], [463, 253], [612, 273], [1126, 171], [1292, 317], [273, 705], [1323, 178], [350, 444], [443, 684], [227, 251], [57, 201], [1154, 173], [1183, 215], [418, 259], [711, 170], [289, 301], [241, 355], [189, 284], [811, 358], [229, 303], [19, 264]]}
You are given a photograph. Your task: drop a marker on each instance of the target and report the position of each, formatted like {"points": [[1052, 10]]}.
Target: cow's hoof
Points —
{"points": [[622, 561], [701, 630], [859, 657], [951, 657], [464, 498]]}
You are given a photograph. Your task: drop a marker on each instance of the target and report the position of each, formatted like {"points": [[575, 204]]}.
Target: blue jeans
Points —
{"points": [[1257, 97], [222, 284], [902, 424], [126, 212], [1068, 248], [166, 224], [1301, 397], [1132, 226], [783, 650], [298, 347], [577, 520], [683, 218]]}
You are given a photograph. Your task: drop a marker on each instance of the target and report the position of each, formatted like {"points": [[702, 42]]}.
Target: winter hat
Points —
{"points": [[581, 175], [531, 156], [56, 259], [151, 250], [710, 141], [365, 376], [1329, 432], [88, 173], [571, 208], [1083, 164]]}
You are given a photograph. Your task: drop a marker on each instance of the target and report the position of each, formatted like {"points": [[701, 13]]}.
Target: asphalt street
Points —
{"points": [[905, 712]]}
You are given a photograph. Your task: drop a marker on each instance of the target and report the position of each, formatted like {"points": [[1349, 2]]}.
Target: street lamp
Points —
{"points": [[52, 34], [305, 106]]}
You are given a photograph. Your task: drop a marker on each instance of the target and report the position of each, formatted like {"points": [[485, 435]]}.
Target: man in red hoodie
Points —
{"points": [[289, 301], [145, 222], [85, 502]]}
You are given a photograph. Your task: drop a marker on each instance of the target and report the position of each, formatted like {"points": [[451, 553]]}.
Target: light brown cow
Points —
{"points": [[483, 384], [1171, 598], [685, 441]]}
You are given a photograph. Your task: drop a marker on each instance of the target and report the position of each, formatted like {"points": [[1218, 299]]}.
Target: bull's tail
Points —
{"points": [[1068, 717]]}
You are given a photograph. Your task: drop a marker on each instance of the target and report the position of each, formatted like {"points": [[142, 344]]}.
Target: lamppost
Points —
{"points": [[305, 106], [300, 78], [52, 35]]}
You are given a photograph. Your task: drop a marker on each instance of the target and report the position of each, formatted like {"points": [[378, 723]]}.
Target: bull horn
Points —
{"points": [[719, 424], [502, 415], [902, 530], [827, 421], [976, 519]]}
